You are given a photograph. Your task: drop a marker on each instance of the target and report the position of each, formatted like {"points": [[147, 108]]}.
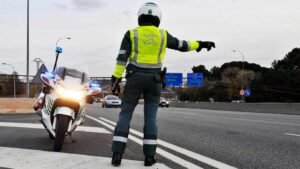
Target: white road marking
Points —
{"points": [[183, 151], [290, 134], [92, 129], [40, 126], [170, 156], [243, 119], [36, 159]]}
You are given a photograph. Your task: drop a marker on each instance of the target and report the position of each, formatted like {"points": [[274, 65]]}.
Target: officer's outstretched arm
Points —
{"points": [[186, 46]]}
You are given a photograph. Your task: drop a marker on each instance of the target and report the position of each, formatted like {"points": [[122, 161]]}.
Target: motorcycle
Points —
{"points": [[63, 100]]}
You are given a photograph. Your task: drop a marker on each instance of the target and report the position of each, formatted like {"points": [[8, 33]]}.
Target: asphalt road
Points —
{"points": [[239, 139], [187, 137]]}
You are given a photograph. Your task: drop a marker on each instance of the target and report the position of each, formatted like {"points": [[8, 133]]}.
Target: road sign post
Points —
{"points": [[194, 80]]}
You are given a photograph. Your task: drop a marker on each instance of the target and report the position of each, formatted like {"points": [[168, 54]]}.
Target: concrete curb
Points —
{"points": [[37, 159], [17, 111]]}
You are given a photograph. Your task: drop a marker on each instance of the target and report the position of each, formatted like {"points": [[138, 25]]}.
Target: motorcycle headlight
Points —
{"points": [[70, 94]]}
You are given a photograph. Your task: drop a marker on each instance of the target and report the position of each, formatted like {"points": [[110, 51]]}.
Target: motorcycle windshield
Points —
{"points": [[72, 78], [63, 72]]}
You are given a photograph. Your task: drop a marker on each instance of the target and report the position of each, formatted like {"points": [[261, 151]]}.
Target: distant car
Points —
{"points": [[111, 101], [163, 102], [237, 101], [97, 99]]}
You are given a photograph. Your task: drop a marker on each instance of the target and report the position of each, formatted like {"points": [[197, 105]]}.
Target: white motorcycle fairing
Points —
{"points": [[64, 101]]}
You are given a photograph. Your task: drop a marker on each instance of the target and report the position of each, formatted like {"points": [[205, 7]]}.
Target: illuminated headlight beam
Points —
{"points": [[70, 94]]}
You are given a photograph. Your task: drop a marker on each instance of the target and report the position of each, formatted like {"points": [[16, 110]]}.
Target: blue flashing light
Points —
{"points": [[50, 74], [59, 50], [93, 84]]}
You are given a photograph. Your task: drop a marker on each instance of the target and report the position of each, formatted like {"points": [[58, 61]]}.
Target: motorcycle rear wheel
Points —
{"points": [[62, 123]]}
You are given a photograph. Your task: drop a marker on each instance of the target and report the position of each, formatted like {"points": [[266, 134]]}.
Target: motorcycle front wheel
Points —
{"points": [[62, 123]]}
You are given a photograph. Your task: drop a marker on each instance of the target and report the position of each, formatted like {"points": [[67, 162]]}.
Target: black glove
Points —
{"points": [[115, 87], [163, 77], [207, 45]]}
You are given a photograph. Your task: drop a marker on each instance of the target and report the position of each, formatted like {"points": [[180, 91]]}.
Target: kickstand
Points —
{"points": [[73, 140]]}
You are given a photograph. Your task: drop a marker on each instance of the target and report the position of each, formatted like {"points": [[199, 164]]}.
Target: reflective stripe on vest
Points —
{"points": [[161, 46], [135, 40], [148, 47]]}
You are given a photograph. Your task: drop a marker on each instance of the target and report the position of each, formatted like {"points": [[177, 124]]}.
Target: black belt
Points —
{"points": [[134, 69]]}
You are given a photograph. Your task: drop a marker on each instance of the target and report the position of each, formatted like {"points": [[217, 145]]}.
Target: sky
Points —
{"points": [[263, 30]]}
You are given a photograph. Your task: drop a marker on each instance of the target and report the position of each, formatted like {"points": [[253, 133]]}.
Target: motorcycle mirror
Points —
{"points": [[47, 80], [58, 50], [94, 91], [94, 84], [94, 88]]}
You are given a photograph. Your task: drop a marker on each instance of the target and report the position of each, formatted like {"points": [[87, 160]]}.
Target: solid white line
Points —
{"points": [[40, 126], [290, 134], [37, 159], [170, 156], [92, 129], [22, 125], [183, 151]]}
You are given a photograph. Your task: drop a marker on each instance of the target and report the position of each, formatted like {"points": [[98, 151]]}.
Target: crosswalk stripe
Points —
{"points": [[181, 150], [160, 151], [40, 126]]}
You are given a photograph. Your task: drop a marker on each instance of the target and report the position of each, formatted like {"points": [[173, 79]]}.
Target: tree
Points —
{"points": [[201, 69], [290, 62], [215, 73], [281, 83], [233, 77]]}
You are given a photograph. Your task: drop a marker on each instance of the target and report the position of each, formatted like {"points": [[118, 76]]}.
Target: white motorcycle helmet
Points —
{"points": [[149, 12]]}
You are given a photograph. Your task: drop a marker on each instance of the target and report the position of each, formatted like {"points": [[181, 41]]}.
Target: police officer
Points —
{"points": [[142, 54]]}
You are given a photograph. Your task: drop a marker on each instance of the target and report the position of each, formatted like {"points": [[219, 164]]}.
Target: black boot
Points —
{"points": [[116, 159], [149, 160]]}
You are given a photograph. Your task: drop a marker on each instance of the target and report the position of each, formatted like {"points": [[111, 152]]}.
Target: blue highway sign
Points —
{"points": [[173, 79], [195, 79]]}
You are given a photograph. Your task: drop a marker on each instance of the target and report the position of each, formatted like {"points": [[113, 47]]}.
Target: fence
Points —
{"points": [[7, 86]]}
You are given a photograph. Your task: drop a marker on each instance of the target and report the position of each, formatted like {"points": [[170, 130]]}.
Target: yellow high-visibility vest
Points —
{"points": [[148, 46]]}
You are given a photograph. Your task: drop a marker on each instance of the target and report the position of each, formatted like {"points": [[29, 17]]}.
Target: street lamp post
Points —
{"points": [[243, 98], [60, 40], [57, 53], [14, 72], [38, 61], [27, 58]]}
